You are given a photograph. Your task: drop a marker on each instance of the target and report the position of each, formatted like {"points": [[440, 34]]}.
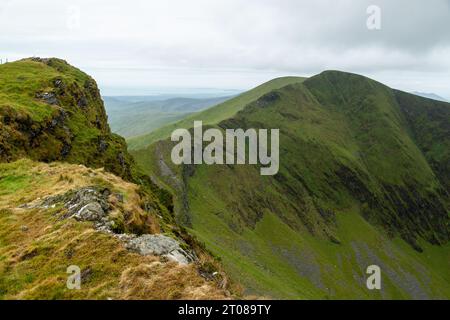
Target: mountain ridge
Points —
{"points": [[430, 96], [214, 114], [352, 156]]}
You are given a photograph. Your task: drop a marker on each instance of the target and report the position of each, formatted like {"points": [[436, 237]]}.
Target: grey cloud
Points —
{"points": [[181, 42]]}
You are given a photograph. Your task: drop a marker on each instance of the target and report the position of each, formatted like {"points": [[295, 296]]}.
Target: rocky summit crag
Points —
{"points": [[51, 111]]}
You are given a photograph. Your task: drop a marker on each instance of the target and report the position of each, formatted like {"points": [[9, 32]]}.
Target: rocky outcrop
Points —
{"points": [[47, 97], [85, 204], [92, 204], [162, 246]]}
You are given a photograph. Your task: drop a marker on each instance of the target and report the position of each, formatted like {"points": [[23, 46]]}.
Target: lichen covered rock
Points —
{"points": [[162, 246]]}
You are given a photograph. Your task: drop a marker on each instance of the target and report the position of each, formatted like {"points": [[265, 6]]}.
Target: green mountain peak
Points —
{"points": [[362, 181]]}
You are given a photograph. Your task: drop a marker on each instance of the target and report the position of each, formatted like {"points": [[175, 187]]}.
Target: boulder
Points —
{"points": [[48, 97], [91, 204], [84, 204], [160, 245], [92, 211]]}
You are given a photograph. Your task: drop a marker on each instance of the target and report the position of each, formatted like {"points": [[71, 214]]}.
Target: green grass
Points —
{"points": [[212, 115], [11, 184], [21, 81]]}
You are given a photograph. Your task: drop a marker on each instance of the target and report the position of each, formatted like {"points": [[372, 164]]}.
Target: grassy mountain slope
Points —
{"points": [[138, 118], [212, 115], [361, 182], [429, 124]]}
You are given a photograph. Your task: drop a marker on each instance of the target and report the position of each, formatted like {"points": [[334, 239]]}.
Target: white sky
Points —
{"points": [[142, 46]]}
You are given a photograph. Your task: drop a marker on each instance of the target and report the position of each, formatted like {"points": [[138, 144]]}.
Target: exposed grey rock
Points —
{"points": [[86, 274], [91, 204], [59, 120], [85, 196], [48, 97], [98, 122], [58, 83], [411, 284], [305, 264], [125, 237], [165, 169], [85, 204], [121, 159], [91, 212], [162, 246], [119, 197], [102, 145], [82, 102], [43, 60], [66, 149]]}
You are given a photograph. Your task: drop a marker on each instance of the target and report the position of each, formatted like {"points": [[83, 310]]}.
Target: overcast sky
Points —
{"points": [[142, 46]]}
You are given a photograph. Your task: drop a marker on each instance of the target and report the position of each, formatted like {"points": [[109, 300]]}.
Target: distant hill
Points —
{"points": [[430, 96], [364, 180], [134, 116], [212, 115]]}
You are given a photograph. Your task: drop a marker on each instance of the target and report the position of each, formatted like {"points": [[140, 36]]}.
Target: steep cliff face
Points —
{"points": [[51, 111]]}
